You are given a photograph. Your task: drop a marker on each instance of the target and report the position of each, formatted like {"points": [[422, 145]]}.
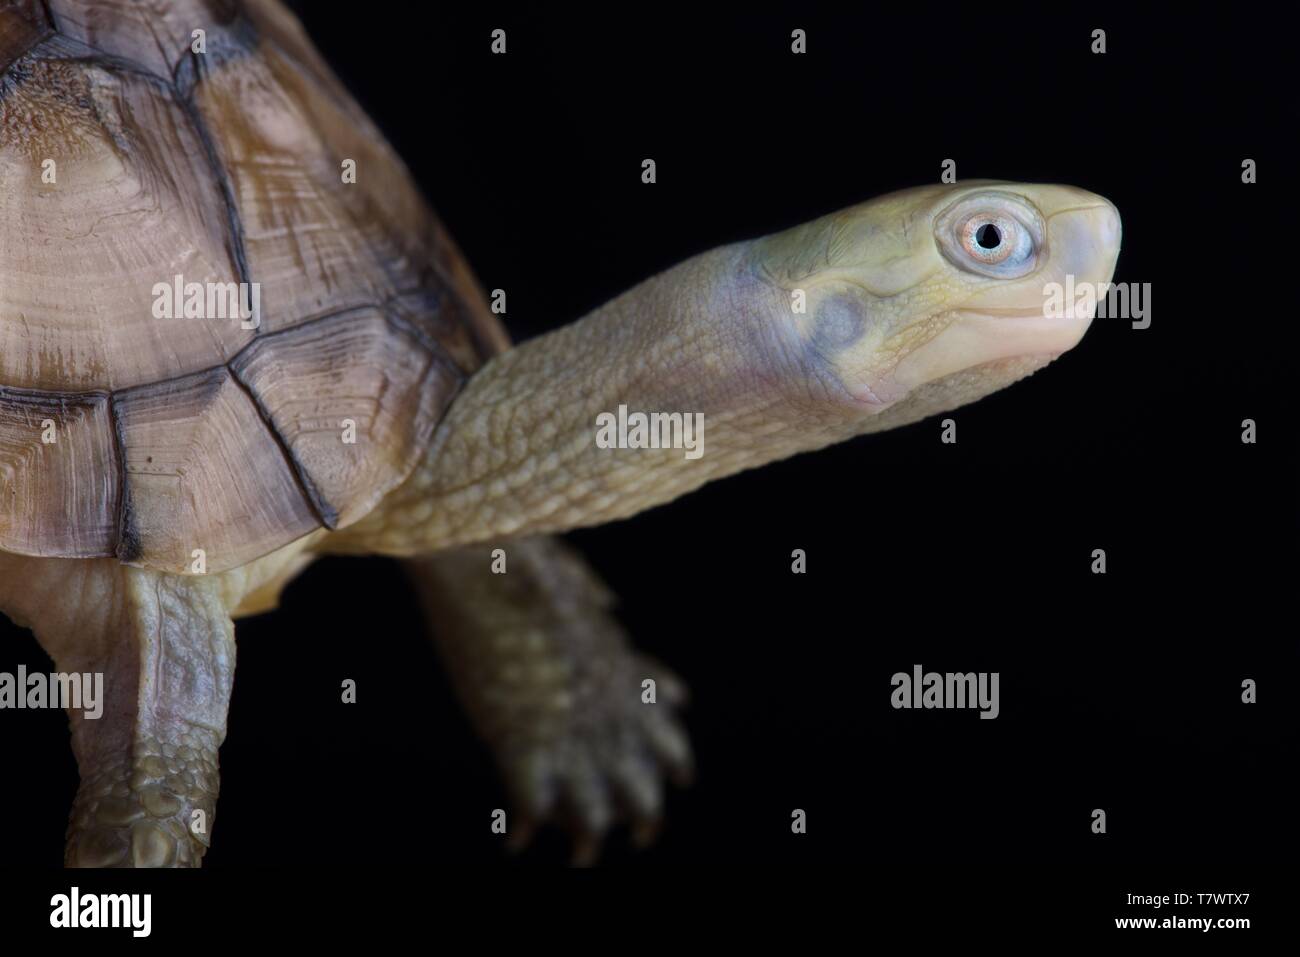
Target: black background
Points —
{"points": [[1119, 691]]}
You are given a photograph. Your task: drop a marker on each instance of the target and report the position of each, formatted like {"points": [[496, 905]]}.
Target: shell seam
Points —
{"points": [[126, 546], [325, 513], [334, 314], [36, 44], [233, 220]]}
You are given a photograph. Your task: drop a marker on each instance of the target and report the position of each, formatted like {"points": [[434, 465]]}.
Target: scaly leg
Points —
{"points": [[553, 685], [165, 646]]}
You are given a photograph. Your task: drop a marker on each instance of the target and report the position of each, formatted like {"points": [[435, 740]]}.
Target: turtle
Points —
{"points": [[235, 338]]}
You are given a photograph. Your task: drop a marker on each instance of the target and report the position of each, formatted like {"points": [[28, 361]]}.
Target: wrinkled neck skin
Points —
{"points": [[517, 452]]}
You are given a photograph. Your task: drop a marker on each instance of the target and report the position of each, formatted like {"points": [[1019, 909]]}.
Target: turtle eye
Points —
{"points": [[992, 239], [991, 234]]}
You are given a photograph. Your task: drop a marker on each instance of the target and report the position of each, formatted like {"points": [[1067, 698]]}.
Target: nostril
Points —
{"points": [[1110, 225]]}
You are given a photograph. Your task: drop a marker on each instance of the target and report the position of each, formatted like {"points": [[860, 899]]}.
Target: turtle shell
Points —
{"points": [[141, 182]]}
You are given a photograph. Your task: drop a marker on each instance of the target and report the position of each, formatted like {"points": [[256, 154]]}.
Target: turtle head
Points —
{"points": [[929, 298]]}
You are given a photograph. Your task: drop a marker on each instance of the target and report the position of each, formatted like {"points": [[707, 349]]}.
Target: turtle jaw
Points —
{"points": [[977, 339]]}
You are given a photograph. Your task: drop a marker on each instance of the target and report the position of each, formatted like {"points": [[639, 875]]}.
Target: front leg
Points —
{"points": [[554, 687], [165, 648], [160, 649]]}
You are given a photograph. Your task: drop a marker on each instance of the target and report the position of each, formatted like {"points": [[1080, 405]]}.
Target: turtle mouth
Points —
{"points": [[979, 337]]}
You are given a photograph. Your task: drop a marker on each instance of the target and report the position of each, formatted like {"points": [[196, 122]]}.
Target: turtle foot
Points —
{"points": [[154, 811], [603, 761]]}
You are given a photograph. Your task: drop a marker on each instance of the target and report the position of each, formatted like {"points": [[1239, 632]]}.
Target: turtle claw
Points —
{"points": [[607, 765], [584, 729]]}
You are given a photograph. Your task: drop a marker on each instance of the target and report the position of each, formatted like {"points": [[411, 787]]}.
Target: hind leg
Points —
{"points": [[554, 687]]}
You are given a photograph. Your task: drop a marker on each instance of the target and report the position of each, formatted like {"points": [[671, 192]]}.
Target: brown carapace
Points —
{"points": [[136, 169]]}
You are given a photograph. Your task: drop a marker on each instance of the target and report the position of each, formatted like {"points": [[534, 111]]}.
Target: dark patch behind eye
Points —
{"points": [[839, 323]]}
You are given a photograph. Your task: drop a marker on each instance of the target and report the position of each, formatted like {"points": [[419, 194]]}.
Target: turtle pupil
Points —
{"points": [[988, 236]]}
